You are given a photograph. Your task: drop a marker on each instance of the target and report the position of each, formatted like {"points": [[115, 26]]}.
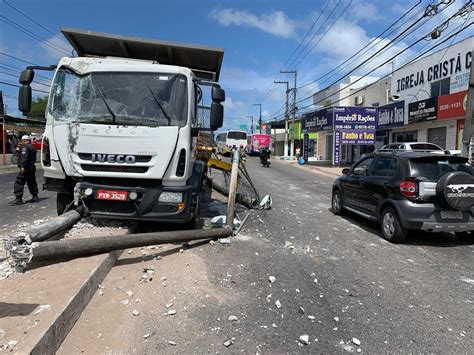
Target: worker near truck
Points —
{"points": [[27, 173]]}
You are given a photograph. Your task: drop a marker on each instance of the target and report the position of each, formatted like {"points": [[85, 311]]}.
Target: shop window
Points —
{"points": [[385, 167], [440, 87]]}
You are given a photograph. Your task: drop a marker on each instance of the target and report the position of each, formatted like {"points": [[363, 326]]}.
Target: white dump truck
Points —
{"points": [[122, 124]]}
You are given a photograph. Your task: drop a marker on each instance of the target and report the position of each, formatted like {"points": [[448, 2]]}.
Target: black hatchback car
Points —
{"points": [[409, 191]]}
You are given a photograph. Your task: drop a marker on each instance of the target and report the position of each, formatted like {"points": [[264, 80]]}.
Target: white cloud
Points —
{"points": [[362, 10], [55, 48], [275, 23]]}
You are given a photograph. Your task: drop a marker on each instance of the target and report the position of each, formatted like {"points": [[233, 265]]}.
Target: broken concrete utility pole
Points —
{"points": [[233, 188], [53, 227], [58, 250]]}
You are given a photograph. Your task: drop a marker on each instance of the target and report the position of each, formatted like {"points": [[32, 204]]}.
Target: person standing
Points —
{"points": [[27, 173]]}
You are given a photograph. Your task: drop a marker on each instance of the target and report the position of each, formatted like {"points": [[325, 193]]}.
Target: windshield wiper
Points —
{"points": [[159, 104], [102, 96]]}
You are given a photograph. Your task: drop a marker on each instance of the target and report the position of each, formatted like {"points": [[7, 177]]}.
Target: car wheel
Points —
{"points": [[467, 236], [392, 229], [337, 207]]}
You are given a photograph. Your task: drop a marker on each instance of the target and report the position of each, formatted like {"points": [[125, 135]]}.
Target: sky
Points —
{"points": [[316, 38]]}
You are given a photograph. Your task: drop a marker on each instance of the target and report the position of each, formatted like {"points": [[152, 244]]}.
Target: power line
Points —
{"points": [[21, 60], [16, 76], [351, 58], [45, 79], [17, 86], [34, 21]]}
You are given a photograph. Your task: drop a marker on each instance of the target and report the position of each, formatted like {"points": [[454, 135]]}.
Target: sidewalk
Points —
{"points": [[328, 171]]}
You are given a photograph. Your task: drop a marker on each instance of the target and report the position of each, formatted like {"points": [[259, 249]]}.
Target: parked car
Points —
{"points": [[418, 147], [409, 191]]}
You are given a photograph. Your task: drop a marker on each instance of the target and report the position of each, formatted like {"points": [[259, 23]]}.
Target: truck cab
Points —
{"points": [[122, 120]]}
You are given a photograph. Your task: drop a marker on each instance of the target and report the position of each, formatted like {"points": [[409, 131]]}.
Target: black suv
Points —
{"points": [[408, 190]]}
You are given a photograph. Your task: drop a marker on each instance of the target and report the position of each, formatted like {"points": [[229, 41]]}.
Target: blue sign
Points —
{"points": [[355, 118], [317, 121], [336, 157], [392, 115]]}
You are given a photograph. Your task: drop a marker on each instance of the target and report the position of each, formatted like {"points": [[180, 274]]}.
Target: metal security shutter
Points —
{"points": [[437, 136]]}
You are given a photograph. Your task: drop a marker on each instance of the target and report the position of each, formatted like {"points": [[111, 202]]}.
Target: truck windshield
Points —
{"points": [[143, 99]]}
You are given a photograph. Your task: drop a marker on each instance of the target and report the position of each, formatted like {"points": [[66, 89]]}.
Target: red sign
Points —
{"points": [[452, 105]]}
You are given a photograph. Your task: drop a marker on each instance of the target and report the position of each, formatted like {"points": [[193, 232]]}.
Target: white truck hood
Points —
{"points": [[112, 147]]}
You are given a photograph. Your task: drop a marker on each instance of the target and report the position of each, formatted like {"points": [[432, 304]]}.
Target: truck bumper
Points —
{"points": [[431, 217], [145, 207]]}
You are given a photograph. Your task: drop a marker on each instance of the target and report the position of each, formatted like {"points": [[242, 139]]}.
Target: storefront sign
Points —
{"points": [[317, 121], [355, 118], [305, 146], [336, 157], [424, 110], [357, 137], [452, 105], [392, 115]]}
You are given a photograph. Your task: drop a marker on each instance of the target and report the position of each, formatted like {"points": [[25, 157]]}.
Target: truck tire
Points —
{"points": [[392, 229], [456, 190], [63, 201]]}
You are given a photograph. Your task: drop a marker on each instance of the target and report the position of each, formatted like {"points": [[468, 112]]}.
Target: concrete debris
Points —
{"points": [[169, 305], [212, 242], [356, 341], [336, 319], [171, 312], [173, 343], [304, 339], [146, 336], [12, 343], [301, 310], [224, 241], [315, 281], [359, 350], [228, 343], [311, 317], [135, 313], [125, 302], [274, 325], [233, 318], [138, 300], [2, 333], [272, 279], [41, 308], [130, 252], [129, 293], [297, 290], [163, 278], [278, 303]]}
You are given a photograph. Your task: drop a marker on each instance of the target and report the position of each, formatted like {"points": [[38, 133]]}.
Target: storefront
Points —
{"points": [[343, 132], [390, 116], [433, 89]]}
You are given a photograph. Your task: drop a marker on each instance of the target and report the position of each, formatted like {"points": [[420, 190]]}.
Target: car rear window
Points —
{"points": [[425, 146], [432, 168]]}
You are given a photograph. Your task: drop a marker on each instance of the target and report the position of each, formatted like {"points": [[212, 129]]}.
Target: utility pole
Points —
{"points": [[4, 145], [293, 109], [286, 114], [259, 117], [468, 132], [251, 120]]}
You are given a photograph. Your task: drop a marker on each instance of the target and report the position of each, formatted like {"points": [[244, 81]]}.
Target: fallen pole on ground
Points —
{"points": [[55, 226], [75, 248], [239, 198]]}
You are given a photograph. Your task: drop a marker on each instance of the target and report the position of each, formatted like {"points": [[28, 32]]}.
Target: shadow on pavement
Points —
{"points": [[16, 309], [418, 238]]}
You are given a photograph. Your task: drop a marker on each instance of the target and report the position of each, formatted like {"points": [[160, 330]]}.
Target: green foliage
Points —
{"points": [[38, 108]]}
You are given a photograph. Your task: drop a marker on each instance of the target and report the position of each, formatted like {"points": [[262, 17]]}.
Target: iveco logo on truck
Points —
{"points": [[112, 158]]}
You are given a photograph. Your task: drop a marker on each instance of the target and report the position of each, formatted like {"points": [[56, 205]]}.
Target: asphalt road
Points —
{"points": [[11, 217], [335, 279]]}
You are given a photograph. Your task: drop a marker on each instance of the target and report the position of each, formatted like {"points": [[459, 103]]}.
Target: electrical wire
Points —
{"points": [[19, 59], [17, 86], [16, 76]]}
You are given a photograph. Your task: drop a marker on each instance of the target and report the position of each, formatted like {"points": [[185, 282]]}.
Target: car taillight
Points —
{"points": [[45, 154], [408, 188]]}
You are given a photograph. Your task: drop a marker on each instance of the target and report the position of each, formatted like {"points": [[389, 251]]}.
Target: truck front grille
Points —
{"points": [[138, 158], [115, 168]]}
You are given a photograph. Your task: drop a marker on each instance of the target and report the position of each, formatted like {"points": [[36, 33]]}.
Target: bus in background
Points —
{"points": [[230, 139], [257, 142]]}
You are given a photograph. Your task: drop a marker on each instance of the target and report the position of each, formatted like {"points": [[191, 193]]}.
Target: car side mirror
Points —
{"points": [[345, 171], [217, 116]]}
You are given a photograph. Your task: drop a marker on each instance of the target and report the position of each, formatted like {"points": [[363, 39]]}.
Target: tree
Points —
{"points": [[38, 108]]}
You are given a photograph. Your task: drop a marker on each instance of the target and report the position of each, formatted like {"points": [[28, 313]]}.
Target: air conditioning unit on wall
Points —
{"points": [[359, 100]]}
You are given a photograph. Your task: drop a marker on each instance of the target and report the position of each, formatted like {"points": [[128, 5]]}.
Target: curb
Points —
{"points": [[311, 168], [51, 339]]}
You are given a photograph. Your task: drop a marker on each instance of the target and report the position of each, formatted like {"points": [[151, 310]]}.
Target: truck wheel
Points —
{"points": [[467, 236], [337, 207], [63, 201], [392, 229]]}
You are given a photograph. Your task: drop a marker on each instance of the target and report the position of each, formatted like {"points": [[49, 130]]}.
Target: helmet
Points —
{"points": [[26, 138]]}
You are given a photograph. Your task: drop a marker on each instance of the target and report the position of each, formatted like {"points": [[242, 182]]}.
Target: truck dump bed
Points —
{"points": [[205, 62]]}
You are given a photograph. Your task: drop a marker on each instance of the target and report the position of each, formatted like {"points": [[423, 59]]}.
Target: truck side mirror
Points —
{"points": [[24, 96], [218, 94], [217, 116]]}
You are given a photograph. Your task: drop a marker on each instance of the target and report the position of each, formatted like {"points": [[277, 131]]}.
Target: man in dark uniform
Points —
{"points": [[26, 163]]}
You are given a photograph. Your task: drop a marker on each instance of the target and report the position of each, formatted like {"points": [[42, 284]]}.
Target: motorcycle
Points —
{"points": [[264, 157]]}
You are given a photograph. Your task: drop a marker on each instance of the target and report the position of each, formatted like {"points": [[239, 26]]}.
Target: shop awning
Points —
{"points": [[204, 61]]}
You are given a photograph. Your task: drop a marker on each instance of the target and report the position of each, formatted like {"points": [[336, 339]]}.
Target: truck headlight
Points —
{"points": [[171, 197]]}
